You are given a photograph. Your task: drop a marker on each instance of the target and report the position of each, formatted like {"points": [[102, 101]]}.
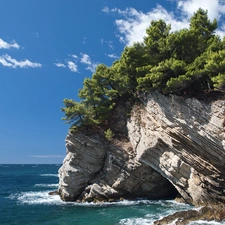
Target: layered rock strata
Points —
{"points": [[172, 145]]}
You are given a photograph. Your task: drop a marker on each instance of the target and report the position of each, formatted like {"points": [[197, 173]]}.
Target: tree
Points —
{"points": [[189, 60], [215, 68], [156, 41]]}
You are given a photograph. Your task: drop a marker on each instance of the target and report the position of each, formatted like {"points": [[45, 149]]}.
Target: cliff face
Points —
{"points": [[173, 145]]}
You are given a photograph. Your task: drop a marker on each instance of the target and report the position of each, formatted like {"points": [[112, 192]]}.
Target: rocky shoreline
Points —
{"points": [[169, 146]]}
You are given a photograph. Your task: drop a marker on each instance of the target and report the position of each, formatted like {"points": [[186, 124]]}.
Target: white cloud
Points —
{"points": [[92, 67], [85, 59], [75, 61], [60, 64], [132, 27], [105, 9], [74, 56], [215, 8], [6, 45], [113, 56], [8, 61], [72, 66]]}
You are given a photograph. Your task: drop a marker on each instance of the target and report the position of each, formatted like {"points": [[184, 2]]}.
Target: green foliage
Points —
{"points": [[109, 134], [186, 61], [156, 41]]}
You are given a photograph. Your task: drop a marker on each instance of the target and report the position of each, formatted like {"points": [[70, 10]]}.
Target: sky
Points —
{"points": [[47, 48]]}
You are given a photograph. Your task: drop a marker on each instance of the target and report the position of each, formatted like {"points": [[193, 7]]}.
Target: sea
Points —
{"points": [[24, 200]]}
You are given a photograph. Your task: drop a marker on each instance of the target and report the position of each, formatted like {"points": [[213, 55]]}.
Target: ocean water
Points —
{"points": [[24, 200]]}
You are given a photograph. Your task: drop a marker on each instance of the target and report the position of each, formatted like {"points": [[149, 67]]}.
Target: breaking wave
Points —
{"points": [[168, 207], [46, 185], [49, 175], [36, 197]]}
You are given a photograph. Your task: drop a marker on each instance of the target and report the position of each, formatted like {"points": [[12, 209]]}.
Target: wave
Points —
{"points": [[150, 221], [49, 175], [167, 207], [164, 208], [43, 197], [37, 198], [46, 185], [136, 221]]}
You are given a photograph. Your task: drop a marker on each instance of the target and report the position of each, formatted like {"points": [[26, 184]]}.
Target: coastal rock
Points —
{"points": [[185, 217], [183, 139], [84, 159], [168, 145], [99, 171]]}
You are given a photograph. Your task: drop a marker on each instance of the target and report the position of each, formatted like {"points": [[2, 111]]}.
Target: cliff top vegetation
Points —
{"points": [[186, 61]]}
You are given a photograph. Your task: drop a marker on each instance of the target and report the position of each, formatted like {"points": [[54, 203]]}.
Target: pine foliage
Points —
{"points": [[186, 61]]}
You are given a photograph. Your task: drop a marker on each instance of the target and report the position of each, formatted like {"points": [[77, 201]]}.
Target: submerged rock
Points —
{"points": [[185, 217], [53, 193]]}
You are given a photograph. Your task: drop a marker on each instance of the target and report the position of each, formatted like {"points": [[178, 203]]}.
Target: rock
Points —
{"points": [[99, 172], [168, 145], [84, 159], [53, 193], [183, 139], [185, 217]]}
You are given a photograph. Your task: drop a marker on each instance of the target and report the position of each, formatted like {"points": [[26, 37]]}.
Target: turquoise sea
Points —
{"points": [[24, 200]]}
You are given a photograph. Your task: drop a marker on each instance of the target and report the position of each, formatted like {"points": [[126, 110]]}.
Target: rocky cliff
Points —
{"points": [[167, 146]]}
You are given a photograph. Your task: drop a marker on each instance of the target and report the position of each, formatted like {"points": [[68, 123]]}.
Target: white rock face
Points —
{"points": [[84, 159], [183, 139], [172, 144]]}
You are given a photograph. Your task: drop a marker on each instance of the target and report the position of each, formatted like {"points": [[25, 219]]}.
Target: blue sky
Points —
{"points": [[47, 48]]}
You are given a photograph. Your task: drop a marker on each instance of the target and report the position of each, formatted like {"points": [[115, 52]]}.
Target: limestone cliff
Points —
{"points": [[168, 145]]}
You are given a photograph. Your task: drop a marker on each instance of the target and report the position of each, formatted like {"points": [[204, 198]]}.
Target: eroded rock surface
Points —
{"points": [[98, 171], [172, 144], [184, 140]]}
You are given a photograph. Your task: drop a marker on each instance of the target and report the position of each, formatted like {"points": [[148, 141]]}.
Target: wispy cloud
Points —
{"points": [[84, 40], [36, 34], [113, 56], [60, 65], [72, 66], [78, 61], [92, 67], [47, 156], [8, 61], [6, 45], [110, 44], [74, 56], [131, 28], [105, 9], [85, 59]]}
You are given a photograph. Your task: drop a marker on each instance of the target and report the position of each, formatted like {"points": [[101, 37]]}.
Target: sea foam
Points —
{"points": [[49, 175], [36, 197], [136, 221], [46, 185]]}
